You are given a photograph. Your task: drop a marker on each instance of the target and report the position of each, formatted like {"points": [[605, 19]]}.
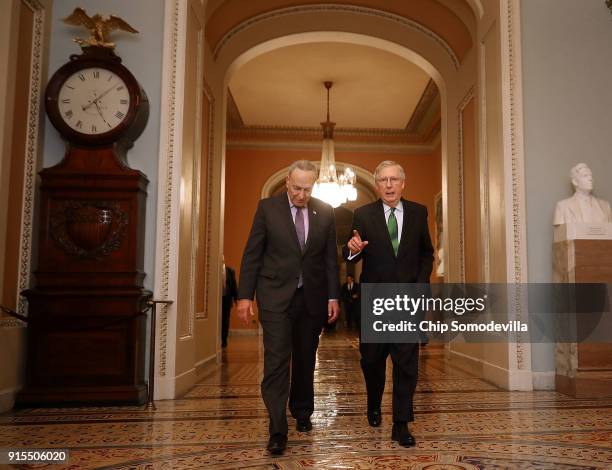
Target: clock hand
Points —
{"points": [[100, 113], [95, 101]]}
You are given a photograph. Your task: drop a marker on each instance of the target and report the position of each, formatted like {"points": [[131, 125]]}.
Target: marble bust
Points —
{"points": [[582, 206]]}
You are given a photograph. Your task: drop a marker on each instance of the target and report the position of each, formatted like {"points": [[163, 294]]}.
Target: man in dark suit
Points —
{"points": [[290, 261], [351, 300], [392, 238], [229, 297]]}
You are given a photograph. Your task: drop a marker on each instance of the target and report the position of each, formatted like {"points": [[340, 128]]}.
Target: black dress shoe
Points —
{"points": [[303, 425], [374, 417], [401, 435], [277, 444]]}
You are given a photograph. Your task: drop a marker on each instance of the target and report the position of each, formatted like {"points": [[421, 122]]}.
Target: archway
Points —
{"points": [[472, 107]]}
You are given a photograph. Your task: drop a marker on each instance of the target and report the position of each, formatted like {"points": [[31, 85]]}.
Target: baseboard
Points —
{"points": [[168, 388], [165, 388], [544, 380], [184, 382], [204, 363], [498, 376], [244, 332], [7, 398], [520, 380]]}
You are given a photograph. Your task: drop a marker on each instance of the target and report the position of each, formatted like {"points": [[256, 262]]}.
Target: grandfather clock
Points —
{"points": [[86, 328]]}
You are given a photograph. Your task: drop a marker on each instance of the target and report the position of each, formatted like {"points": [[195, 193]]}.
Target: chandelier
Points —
{"points": [[330, 187]]}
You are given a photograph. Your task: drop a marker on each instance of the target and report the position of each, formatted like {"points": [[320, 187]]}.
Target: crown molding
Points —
{"points": [[234, 118], [423, 106], [345, 139], [296, 145], [237, 127]]}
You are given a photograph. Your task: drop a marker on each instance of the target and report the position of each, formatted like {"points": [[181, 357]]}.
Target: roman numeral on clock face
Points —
{"points": [[119, 115]]}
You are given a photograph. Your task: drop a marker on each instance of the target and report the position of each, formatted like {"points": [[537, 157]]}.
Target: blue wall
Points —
{"points": [[567, 90], [142, 54]]}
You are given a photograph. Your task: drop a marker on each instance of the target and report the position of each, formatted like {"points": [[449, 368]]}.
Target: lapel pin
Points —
{"points": [[314, 212]]}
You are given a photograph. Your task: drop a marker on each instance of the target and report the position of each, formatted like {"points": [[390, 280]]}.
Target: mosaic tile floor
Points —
{"points": [[461, 422]]}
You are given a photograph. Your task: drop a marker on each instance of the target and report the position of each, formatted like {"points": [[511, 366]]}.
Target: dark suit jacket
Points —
{"points": [[272, 260], [415, 253], [232, 287]]}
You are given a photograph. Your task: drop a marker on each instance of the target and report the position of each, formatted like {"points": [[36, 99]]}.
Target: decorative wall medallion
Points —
{"points": [[89, 229]]}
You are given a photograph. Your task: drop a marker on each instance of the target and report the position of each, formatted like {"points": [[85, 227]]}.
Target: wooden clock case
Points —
{"points": [[86, 326]]}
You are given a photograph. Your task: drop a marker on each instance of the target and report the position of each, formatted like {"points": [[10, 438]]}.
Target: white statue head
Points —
{"points": [[582, 178]]}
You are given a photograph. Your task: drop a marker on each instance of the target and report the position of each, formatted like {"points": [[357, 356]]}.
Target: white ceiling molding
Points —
{"points": [[326, 8]]}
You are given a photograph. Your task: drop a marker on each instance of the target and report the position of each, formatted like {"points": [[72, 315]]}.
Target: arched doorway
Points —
{"points": [[480, 125]]}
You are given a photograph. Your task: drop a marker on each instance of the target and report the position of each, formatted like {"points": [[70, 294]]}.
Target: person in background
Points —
{"points": [[351, 299], [228, 299]]}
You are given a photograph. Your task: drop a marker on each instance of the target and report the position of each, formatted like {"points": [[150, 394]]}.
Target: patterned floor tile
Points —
{"points": [[462, 422]]}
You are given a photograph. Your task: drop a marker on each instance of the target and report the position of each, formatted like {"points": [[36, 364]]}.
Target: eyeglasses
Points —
{"points": [[389, 179]]}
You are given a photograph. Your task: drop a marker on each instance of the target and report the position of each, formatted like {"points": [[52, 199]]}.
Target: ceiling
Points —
{"points": [[373, 89]]}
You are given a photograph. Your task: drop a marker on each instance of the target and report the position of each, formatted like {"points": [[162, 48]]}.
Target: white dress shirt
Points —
{"points": [[399, 216]]}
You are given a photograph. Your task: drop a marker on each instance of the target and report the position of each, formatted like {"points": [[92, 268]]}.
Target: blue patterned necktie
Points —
{"points": [[392, 227]]}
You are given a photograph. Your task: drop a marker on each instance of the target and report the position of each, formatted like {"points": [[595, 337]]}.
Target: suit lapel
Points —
{"points": [[287, 217], [406, 228], [381, 224], [313, 224]]}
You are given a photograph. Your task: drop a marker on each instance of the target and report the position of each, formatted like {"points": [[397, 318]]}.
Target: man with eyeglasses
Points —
{"points": [[290, 261], [391, 236]]}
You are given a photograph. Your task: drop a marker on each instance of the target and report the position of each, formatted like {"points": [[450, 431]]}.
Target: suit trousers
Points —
{"points": [[353, 315], [290, 342], [226, 309], [405, 358]]}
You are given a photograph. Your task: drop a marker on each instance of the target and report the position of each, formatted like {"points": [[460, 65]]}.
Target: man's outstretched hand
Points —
{"points": [[356, 244]]}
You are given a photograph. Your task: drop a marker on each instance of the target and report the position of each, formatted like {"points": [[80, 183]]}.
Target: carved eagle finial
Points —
{"points": [[98, 26]]}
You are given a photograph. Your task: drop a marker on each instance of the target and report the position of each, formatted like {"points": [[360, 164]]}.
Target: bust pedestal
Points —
{"points": [[582, 253]]}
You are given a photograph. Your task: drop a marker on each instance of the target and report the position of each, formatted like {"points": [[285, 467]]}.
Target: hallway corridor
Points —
{"points": [[461, 422]]}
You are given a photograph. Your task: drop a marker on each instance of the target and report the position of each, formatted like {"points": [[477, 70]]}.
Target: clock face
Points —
{"points": [[93, 101]]}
